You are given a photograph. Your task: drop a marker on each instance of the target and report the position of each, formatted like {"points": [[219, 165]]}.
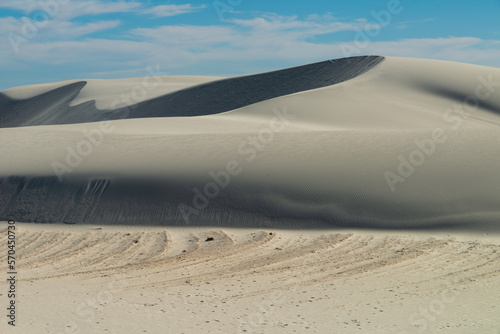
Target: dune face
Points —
{"points": [[206, 99], [359, 142]]}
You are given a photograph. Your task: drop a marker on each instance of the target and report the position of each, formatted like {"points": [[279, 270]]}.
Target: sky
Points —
{"points": [[54, 40]]}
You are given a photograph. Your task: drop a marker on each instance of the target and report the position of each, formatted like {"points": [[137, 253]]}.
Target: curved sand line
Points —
{"points": [[189, 278]]}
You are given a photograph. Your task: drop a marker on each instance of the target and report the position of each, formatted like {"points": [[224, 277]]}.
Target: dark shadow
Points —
{"points": [[143, 202], [53, 108]]}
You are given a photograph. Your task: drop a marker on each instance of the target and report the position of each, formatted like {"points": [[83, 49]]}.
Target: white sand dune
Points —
{"points": [[410, 143], [105, 93], [406, 149]]}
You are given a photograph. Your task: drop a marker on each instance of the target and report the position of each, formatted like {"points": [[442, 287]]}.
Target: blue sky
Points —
{"points": [[53, 40]]}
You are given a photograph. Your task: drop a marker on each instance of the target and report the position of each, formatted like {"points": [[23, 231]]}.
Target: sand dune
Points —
{"points": [[52, 107], [393, 143], [354, 195]]}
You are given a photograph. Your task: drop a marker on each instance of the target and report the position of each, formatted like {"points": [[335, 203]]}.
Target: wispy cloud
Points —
{"points": [[285, 39], [8, 24], [189, 36], [407, 24], [26, 6], [269, 37], [53, 30], [70, 9], [312, 26], [172, 10], [71, 30]]}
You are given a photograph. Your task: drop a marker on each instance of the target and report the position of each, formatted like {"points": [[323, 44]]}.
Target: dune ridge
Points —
{"points": [[406, 144], [54, 107]]}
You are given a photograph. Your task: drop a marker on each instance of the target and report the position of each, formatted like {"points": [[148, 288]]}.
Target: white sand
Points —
{"points": [[94, 280], [342, 147], [114, 93], [332, 156]]}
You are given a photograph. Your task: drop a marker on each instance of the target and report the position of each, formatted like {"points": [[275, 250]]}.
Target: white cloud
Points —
{"points": [[253, 41], [189, 36], [27, 6], [407, 24], [8, 24], [71, 30], [427, 47], [260, 39], [172, 10], [70, 9], [237, 46], [314, 25], [93, 52], [29, 32]]}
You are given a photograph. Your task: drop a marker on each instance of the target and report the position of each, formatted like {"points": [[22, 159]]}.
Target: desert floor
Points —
{"points": [[123, 279]]}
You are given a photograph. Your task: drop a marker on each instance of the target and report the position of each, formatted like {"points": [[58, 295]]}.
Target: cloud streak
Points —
{"points": [[173, 10]]}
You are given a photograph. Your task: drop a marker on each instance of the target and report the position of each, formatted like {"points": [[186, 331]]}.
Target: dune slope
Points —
{"points": [[404, 143], [54, 107]]}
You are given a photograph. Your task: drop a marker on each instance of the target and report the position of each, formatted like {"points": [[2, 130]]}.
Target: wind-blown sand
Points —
{"points": [[377, 177], [156, 280]]}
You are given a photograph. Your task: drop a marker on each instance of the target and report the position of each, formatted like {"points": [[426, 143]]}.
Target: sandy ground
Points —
{"points": [[90, 279]]}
